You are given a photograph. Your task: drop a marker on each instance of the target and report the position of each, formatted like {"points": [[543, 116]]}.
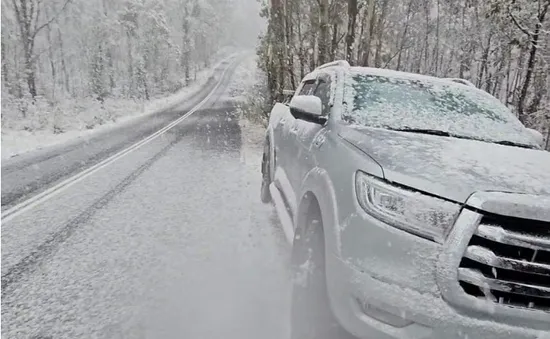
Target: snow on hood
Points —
{"points": [[452, 168]]}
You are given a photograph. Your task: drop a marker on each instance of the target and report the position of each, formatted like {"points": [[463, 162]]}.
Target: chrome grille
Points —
{"points": [[507, 261]]}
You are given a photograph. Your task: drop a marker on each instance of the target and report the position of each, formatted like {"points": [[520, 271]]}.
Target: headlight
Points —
{"points": [[414, 212]]}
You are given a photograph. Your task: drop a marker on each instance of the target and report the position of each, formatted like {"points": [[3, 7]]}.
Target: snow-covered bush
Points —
{"points": [[249, 87]]}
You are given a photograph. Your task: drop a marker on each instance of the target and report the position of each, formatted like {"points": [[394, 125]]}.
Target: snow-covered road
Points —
{"points": [[28, 174], [170, 241]]}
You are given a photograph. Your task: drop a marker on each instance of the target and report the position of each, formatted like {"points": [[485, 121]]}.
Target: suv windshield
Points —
{"points": [[431, 105]]}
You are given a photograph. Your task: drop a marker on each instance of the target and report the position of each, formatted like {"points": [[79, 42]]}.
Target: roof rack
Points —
{"points": [[341, 63], [461, 81]]}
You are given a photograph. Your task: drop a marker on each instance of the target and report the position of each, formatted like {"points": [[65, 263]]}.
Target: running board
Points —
{"points": [[284, 216]]}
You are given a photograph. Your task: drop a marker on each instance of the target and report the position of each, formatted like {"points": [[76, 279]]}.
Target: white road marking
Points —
{"points": [[55, 190]]}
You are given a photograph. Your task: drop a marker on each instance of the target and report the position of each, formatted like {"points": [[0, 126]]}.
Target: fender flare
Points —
{"points": [[317, 184], [271, 139]]}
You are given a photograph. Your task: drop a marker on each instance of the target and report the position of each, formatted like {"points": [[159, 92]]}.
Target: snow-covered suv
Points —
{"points": [[418, 207]]}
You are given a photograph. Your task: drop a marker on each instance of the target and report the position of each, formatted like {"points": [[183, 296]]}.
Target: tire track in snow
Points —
{"points": [[52, 243], [49, 246]]}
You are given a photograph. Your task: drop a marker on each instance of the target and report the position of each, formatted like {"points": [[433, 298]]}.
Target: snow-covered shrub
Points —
{"points": [[249, 87], [25, 113]]}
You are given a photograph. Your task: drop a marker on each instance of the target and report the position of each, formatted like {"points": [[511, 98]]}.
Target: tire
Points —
{"points": [[311, 315], [265, 195]]}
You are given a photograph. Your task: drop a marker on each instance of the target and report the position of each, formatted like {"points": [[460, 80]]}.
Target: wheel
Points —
{"points": [[266, 174], [311, 316]]}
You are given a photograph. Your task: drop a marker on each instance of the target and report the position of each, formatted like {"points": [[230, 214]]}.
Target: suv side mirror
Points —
{"points": [[537, 136], [307, 107]]}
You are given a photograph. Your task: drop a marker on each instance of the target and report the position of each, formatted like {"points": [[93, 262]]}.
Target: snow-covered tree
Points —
{"points": [[59, 50]]}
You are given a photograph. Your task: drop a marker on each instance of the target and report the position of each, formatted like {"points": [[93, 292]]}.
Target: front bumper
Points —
{"points": [[385, 283]]}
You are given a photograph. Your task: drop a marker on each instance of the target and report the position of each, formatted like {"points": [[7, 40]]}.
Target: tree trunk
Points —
{"points": [[301, 51], [499, 75], [313, 39], [462, 53], [334, 42], [323, 31], [186, 55], [436, 47], [350, 35], [130, 65], [361, 39], [426, 36], [63, 64], [404, 36], [30, 72], [484, 61], [24, 13], [52, 64], [540, 92], [379, 33], [277, 43], [5, 74], [534, 38], [289, 50], [368, 37], [508, 76]]}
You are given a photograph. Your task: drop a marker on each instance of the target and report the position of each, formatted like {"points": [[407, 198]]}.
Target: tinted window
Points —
{"points": [[308, 87], [323, 92]]}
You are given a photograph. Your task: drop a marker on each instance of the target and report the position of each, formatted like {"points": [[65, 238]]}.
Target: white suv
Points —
{"points": [[418, 207]]}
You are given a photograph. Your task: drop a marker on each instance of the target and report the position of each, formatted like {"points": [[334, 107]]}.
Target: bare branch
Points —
{"points": [[31, 12], [18, 15], [516, 22], [52, 19], [37, 17], [403, 48]]}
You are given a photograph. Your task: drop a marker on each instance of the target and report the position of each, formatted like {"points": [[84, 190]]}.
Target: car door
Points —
{"points": [[307, 135], [286, 147]]}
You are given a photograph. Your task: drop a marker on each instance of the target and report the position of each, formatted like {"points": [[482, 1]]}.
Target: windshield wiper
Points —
{"points": [[447, 134], [423, 131], [511, 143]]}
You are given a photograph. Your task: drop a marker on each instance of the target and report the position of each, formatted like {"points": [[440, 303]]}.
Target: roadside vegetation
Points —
{"points": [[251, 92]]}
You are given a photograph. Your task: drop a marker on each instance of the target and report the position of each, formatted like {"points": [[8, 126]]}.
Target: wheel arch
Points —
{"points": [[270, 138], [317, 188]]}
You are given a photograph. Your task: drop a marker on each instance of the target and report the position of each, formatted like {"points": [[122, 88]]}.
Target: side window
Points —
{"points": [[308, 87], [323, 92]]}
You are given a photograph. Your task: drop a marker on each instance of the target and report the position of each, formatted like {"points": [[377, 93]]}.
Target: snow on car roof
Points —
{"points": [[388, 73]]}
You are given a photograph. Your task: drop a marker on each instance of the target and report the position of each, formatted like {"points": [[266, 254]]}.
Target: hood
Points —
{"points": [[452, 168]]}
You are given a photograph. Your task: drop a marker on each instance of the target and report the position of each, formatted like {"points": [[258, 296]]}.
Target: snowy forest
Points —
{"points": [[502, 46], [64, 56]]}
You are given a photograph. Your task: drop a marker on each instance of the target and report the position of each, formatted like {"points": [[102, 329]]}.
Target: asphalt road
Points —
{"points": [[26, 175], [168, 241]]}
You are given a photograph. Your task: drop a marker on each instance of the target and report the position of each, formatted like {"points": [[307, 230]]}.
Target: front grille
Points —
{"points": [[507, 261]]}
